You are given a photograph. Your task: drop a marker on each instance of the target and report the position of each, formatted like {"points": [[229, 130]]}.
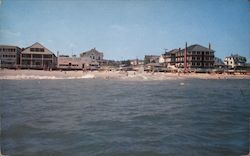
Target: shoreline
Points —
{"points": [[8, 74]]}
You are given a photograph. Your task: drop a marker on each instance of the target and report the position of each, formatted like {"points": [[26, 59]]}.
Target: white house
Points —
{"points": [[234, 61]]}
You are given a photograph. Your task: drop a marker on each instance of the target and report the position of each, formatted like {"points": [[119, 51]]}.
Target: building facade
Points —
{"points": [[76, 63], [136, 62], [151, 59], [194, 56], [168, 58], [218, 63], [9, 56], [38, 57], [93, 54], [235, 61]]}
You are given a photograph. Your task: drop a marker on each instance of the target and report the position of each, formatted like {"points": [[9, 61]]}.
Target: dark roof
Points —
{"points": [[91, 51], [197, 47], [173, 51], [151, 56], [235, 56], [194, 47]]}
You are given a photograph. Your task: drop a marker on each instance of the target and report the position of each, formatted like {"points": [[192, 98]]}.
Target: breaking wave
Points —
{"points": [[30, 77]]}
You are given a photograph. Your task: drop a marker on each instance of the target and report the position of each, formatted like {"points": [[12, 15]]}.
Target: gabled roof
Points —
{"points": [[92, 51], [37, 45]]}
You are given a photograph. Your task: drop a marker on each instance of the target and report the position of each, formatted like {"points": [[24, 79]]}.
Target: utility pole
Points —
{"points": [[185, 59]]}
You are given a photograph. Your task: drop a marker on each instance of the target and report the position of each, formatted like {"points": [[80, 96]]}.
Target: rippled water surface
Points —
{"points": [[108, 117]]}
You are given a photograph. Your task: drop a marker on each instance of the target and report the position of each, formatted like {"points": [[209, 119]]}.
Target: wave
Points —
{"points": [[34, 77]]}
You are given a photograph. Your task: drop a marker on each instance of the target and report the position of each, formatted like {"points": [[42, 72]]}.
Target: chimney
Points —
{"points": [[209, 46], [179, 49]]}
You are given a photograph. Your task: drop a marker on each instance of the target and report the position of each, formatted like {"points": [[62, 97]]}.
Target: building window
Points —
{"points": [[26, 55], [37, 56], [47, 56], [198, 52], [37, 49]]}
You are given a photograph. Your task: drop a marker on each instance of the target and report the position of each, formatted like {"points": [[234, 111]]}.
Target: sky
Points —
{"points": [[127, 29]]}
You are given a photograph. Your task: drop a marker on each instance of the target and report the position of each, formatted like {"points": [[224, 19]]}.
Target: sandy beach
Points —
{"points": [[120, 75]]}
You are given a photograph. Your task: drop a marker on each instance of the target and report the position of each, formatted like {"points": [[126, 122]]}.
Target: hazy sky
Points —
{"points": [[126, 29]]}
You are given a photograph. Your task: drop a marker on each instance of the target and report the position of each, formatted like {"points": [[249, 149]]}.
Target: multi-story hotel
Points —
{"points": [[38, 57], [9, 56], [194, 56]]}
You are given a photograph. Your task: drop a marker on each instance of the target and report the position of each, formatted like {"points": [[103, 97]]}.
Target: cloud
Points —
{"points": [[118, 27], [5, 32]]}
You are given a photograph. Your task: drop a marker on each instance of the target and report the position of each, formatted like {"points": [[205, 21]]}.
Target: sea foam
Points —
{"points": [[34, 77]]}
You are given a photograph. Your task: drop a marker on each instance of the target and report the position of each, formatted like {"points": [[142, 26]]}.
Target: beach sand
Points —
{"points": [[120, 75]]}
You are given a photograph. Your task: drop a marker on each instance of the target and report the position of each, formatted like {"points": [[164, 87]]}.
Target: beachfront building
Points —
{"points": [[235, 61], [76, 63], [93, 54], [168, 58], [136, 62], [151, 59], [194, 56], [9, 56], [218, 63], [37, 57]]}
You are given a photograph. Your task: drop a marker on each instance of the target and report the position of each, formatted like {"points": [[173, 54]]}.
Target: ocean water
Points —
{"points": [[119, 118]]}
